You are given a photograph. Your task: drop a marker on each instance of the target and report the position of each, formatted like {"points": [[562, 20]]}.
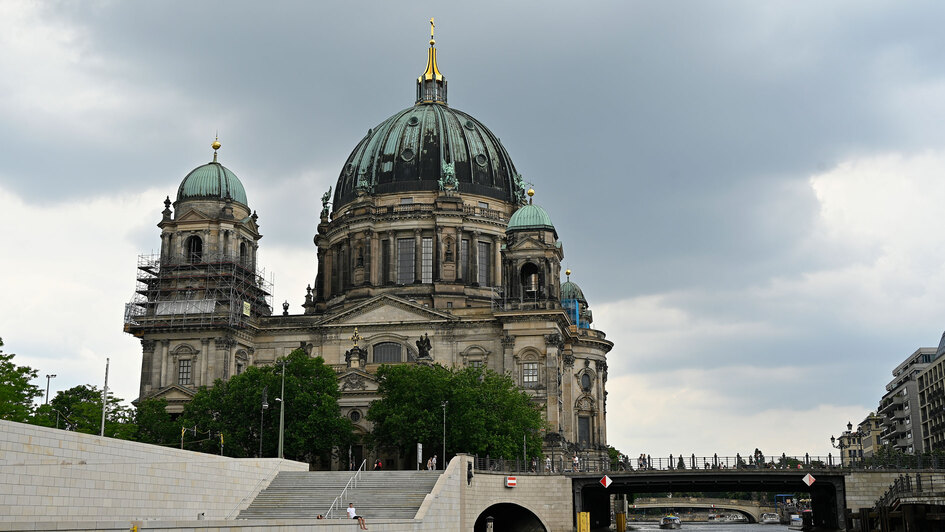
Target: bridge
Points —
{"points": [[752, 510]]}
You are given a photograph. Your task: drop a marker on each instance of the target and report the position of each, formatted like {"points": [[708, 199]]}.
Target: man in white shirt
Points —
{"points": [[353, 514]]}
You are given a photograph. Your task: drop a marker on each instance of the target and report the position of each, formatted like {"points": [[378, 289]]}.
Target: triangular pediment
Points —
{"points": [[193, 215], [386, 309], [359, 381], [529, 243], [174, 393]]}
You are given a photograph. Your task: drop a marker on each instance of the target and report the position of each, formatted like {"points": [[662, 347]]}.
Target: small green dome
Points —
{"points": [[530, 217], [212, 181], [571, 290]]}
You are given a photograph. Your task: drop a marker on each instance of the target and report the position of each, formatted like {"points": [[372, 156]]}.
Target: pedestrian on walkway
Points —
{"points": [[430, 464], [434, 462], [353, 514]]}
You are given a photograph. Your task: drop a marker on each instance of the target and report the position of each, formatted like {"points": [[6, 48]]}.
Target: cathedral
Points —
{"points": [[429, 249]]}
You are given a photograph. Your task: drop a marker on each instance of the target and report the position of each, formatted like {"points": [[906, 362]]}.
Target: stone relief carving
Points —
{"points": [[353, 382]]}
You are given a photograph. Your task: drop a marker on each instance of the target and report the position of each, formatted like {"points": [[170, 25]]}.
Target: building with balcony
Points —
{"points": [[899, 408], [931, 384]]}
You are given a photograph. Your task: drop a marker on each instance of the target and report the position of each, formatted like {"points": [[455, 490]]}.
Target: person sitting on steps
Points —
{"points": [[353, 514]]}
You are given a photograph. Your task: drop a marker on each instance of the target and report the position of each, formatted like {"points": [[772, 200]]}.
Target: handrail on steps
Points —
{"points": [[352, 483]]}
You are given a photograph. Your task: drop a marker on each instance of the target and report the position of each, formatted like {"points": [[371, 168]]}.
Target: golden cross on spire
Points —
{"points": [[432, 27], [355, 337]]}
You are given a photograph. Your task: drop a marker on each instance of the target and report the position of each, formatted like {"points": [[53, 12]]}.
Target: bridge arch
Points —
{"points": [[509, 517]]}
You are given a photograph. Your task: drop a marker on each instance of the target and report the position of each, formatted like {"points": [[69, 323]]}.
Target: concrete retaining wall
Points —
{"points": [[49, 475]]}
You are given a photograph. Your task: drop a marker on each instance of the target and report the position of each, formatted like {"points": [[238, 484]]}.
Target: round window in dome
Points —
{"points": [[412, 121], [354, 416], [469, 125], [407, 154], [481, 160], [348, 168]]}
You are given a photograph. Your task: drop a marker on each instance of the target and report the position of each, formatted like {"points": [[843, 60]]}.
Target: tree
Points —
{"points": [[313, 422], [486, 414], [80, 409], [153, 424], [16, 391]]}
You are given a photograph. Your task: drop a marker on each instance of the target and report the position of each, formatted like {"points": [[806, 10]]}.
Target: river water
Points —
{"points": [[714, 527]]}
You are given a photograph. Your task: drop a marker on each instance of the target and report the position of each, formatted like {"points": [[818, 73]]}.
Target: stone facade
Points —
{"points": [[439, 243]]}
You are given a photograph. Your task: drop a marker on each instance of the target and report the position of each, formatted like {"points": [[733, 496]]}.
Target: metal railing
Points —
{"points": [[352, 483], [567, 463], [919, 485]]}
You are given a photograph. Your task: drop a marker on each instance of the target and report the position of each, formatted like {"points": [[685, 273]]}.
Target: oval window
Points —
{"points": [[407, 154], [412, 121], [586, 382], [354, 416], [481, 160]]}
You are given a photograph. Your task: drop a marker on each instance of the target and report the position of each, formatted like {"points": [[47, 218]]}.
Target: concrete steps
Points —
{"points": [[379, 494]]}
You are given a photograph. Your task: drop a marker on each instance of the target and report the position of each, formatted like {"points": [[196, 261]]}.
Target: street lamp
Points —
{"points": [[262, 413], [839, 443], [47, 386], [281, 400], [443, 404]]}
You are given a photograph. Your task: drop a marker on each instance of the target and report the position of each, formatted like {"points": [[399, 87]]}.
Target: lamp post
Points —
{"points": [[47, 386], [262, 414], [281, 400], [839, 443], [443, 404]]}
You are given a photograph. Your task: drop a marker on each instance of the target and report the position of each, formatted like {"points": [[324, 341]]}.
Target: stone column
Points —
{"points": [[437, 253], [165, 344], [369, 239], [320, 274], [496, 262], [221, 243], [459, 257], [392, 258], [202, 376], [417, 256], [474, 258], [147, 356]]}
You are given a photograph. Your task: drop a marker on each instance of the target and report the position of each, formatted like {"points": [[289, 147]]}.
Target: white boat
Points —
{"points": [[735, 518], [770, 519], [670, 522]]}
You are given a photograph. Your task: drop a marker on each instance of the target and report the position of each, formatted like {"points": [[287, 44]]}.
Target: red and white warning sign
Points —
{"points": [[510, 482], [808, 479], [606, 481]]}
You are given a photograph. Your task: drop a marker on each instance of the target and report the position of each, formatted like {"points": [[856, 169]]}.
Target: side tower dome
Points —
{"points": [[574, 302], [212, 181], [532, 257]]}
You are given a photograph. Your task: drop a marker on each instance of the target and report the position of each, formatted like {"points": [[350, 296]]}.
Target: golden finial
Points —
{"points": [[355, 337], [216, 146], [531, 192], [432, 27], [568, 273]]}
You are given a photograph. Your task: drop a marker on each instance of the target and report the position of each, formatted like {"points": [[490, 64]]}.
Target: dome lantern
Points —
{"points": [[431, 85]]}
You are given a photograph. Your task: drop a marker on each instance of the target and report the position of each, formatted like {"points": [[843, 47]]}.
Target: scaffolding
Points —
{"points": [[202, 291]]}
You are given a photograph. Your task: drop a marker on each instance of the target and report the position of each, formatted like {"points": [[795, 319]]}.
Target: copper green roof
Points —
{"points": [[530, 217], [571, 290], [212, 181]]}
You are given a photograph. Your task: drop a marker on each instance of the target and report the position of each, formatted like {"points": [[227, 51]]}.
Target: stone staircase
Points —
{"points": [[379, 494]]}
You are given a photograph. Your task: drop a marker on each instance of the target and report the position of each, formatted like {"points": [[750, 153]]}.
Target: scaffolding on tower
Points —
{"points": [[198, 291]]}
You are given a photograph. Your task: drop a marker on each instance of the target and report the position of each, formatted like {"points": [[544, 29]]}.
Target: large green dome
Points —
{"points": [[530, 217], [212, 181]]}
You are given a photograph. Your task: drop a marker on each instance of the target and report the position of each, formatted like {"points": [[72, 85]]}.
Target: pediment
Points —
{"points": [[193, 215], [386, 309], [528, 243], [174, 393], [357, 381]]}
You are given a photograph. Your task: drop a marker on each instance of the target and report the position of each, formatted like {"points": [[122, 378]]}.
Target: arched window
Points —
{"points": [[243, 252], [387, 353], [529, 280], [194, 249]]}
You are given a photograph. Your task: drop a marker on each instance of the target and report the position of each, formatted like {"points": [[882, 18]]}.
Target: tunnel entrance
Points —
{"points": [[508, 517]]}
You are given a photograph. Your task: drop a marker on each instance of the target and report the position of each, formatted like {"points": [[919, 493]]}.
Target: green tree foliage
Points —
{"points": [[313, 422], [486, 414], [16, 391], [153, 424], [80, 409]]}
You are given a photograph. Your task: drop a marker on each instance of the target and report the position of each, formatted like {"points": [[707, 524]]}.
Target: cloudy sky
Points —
{"points": [[746, 191]]}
